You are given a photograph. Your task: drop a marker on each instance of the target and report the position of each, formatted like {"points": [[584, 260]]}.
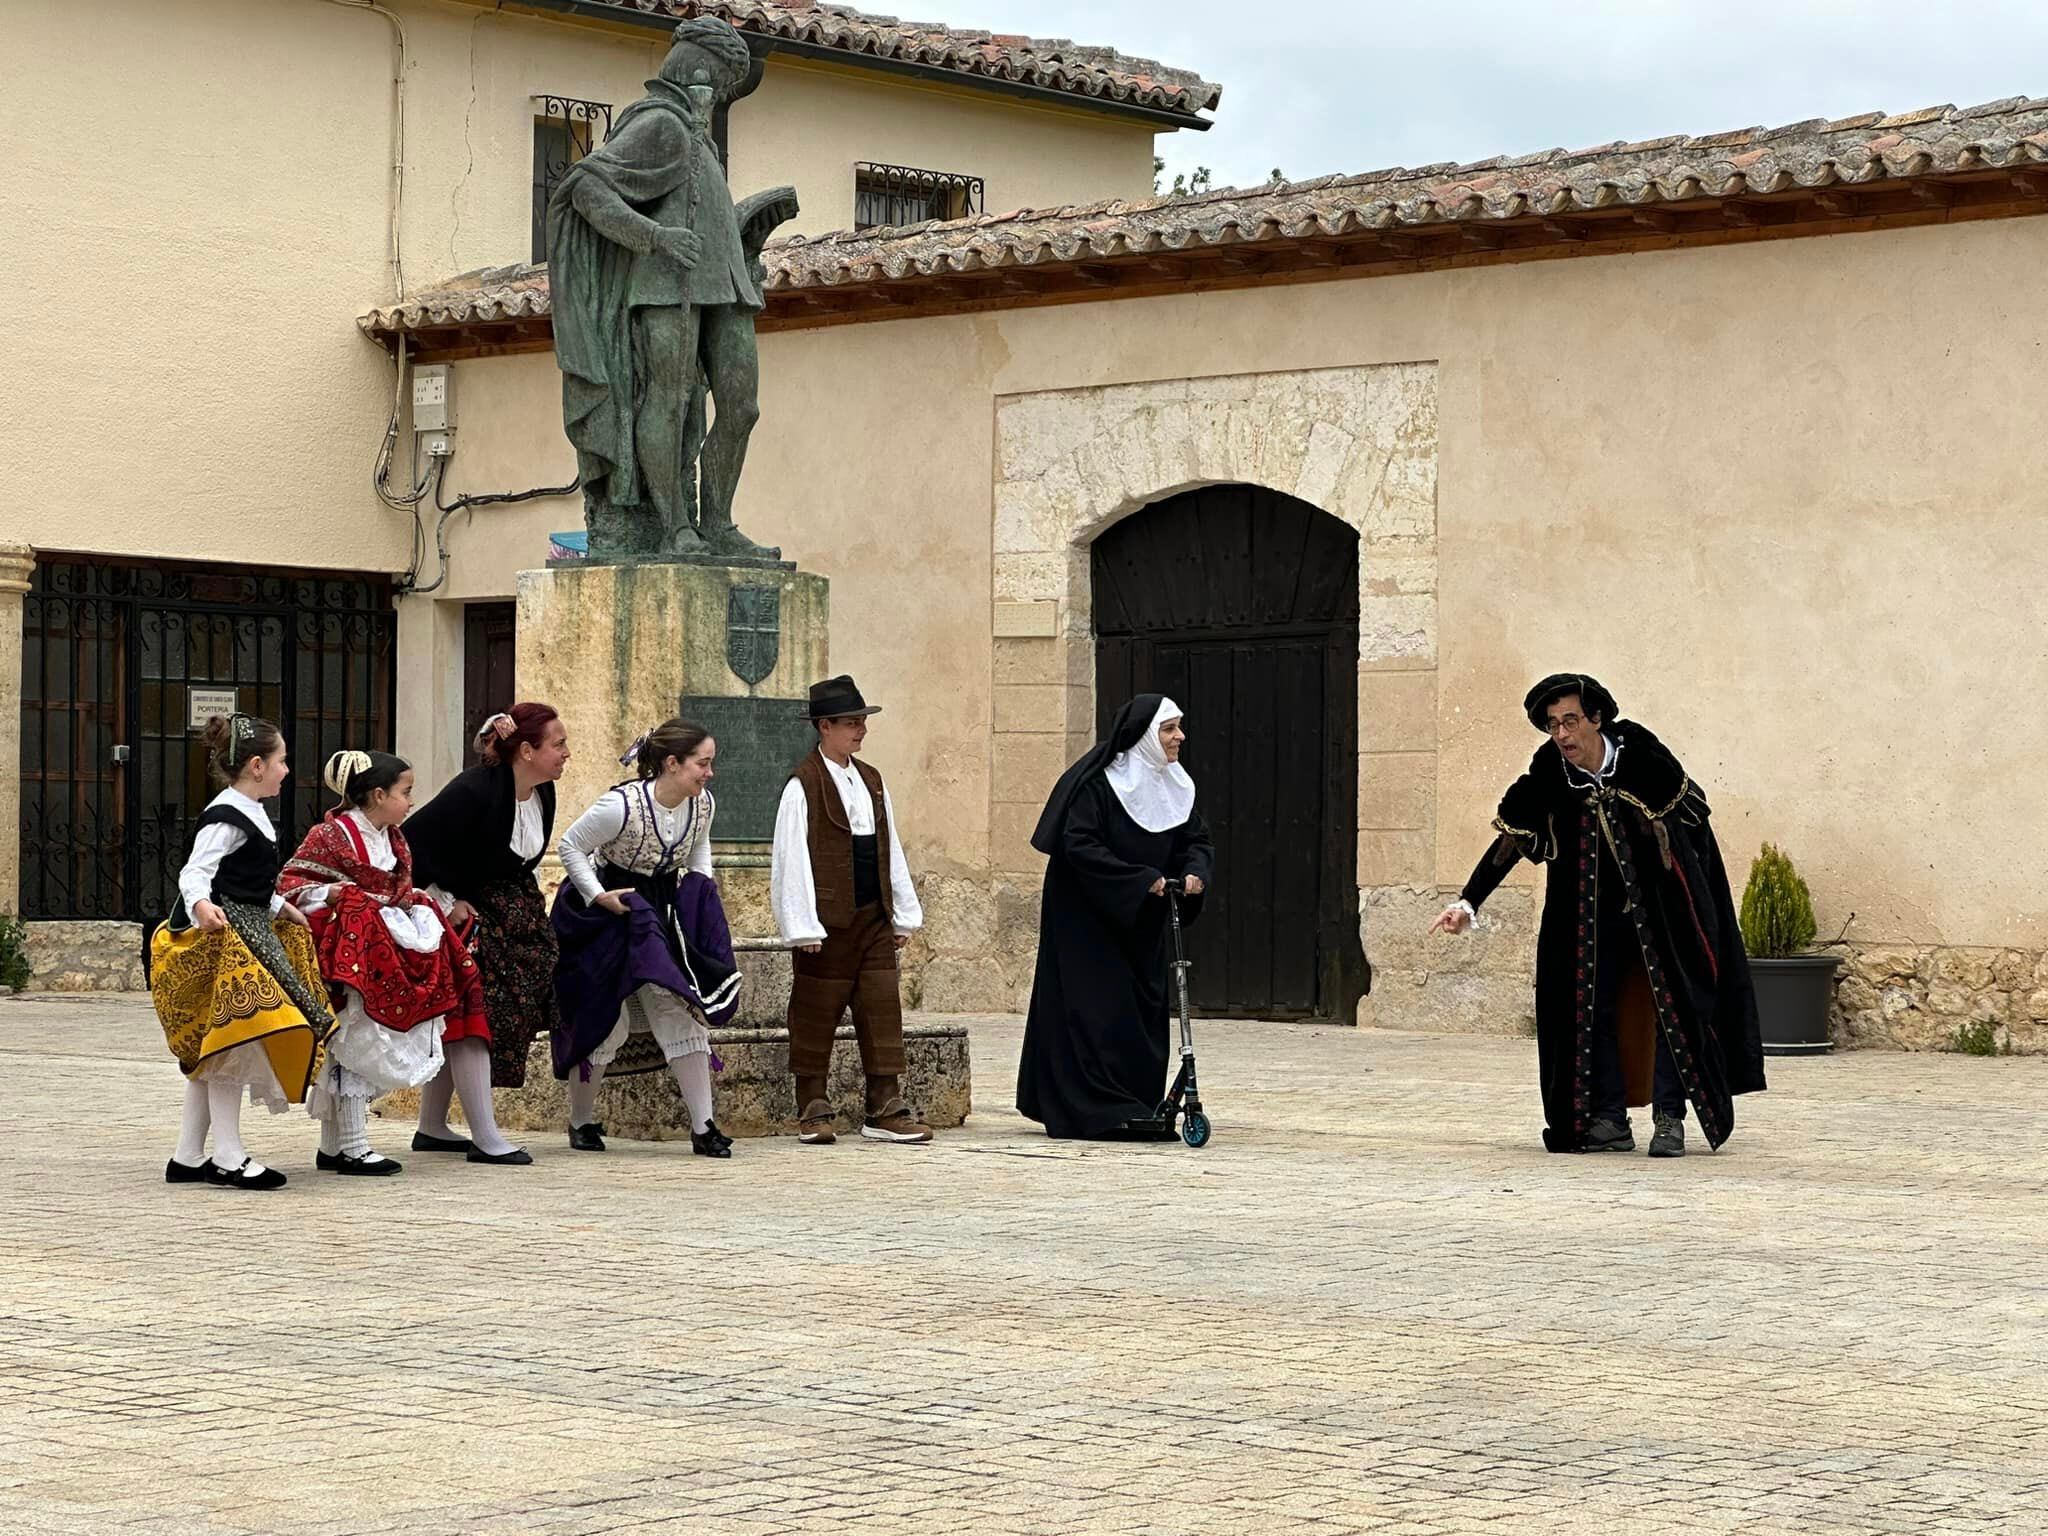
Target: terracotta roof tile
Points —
{"points": [[1941, 141], [1052, 63], [1938, 141]]}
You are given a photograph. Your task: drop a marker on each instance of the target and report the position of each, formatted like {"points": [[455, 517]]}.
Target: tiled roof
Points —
{"points": [[1807, 175], [489, 296], [1055, 64], [1750, 162]]}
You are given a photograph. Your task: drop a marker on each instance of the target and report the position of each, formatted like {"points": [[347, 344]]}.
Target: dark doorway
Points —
{"points": [[1242, 605], [490, 653], [121, 662]]}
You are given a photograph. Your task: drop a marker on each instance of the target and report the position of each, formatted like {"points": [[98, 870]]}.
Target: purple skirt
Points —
{"points": [[673, 936]]}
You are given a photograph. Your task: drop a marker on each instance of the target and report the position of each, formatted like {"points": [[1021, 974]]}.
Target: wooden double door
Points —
{"points": [[1241, 604]]}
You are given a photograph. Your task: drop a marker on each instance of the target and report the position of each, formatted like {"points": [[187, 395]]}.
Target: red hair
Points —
{"points": [[529, 724]]}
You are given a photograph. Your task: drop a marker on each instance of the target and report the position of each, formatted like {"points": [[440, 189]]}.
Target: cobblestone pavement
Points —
{"points": [[1371, 1304]]}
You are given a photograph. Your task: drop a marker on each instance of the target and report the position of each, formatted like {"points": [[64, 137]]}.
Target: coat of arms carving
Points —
{"points": [[753, 632]]}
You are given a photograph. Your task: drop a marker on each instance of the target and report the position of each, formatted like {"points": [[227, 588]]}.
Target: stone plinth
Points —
{"points": [[754, 1095], [620, 648]]}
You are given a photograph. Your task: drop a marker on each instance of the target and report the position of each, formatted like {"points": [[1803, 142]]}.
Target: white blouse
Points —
{"points": [[791, 885], [215, 843], [528, 831], [584, 842]]}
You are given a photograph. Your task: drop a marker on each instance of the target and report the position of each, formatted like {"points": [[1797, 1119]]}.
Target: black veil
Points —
{"points": [[1125, 731]]}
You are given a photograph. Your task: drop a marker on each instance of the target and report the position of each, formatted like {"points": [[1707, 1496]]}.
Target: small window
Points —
{"points": [[894, 195], [564, 131]]}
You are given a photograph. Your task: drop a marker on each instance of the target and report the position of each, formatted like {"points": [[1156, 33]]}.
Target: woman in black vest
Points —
{"points": [[233, 973], [474, 849]]}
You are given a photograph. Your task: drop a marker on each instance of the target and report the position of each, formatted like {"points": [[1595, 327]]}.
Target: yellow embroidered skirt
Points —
{"points": [[255, 984]]}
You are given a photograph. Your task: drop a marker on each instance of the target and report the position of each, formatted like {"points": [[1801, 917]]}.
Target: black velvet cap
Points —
{"points": [[1593, 698]]}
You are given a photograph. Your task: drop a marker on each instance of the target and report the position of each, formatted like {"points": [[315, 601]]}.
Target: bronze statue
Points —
{"points": [[656, 279]]}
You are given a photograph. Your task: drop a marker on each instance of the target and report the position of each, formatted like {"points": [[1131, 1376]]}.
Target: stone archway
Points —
{"points": [[1359, 442]]}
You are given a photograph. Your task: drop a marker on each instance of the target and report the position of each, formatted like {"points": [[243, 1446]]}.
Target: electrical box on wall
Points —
{"points": [[433, 407]]}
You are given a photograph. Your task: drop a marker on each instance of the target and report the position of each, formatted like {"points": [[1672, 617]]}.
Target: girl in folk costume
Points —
{"points": [[646, 963], [474, 847], [233, 973], [403, 984]]}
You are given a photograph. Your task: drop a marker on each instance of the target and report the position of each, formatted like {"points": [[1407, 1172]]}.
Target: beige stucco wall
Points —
{"points": [[198, 206], [810, 122], [1798, 533]]}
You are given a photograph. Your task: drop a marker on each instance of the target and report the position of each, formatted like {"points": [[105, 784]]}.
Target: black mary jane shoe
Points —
{"points": [[587, 1138], [362, 1167], [176, 1172], [711, 1142], [518, 1157], [422, 1142], [241, 1178]]}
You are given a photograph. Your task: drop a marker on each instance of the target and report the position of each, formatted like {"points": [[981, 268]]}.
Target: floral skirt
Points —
{"points": [[251, 986], [513, 945]]}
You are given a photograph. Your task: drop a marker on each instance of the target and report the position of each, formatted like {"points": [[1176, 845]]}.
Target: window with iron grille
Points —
{"points": [[894, 195], [564, 131]]}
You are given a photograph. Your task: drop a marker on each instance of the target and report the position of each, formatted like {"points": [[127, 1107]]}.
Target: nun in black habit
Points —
{"points": [[1121, 823]]}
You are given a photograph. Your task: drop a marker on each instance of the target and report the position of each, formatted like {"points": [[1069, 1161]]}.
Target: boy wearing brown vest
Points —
{"points": [[845, 902]]}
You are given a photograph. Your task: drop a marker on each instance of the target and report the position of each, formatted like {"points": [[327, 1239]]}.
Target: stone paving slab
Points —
{"points": [[1372, 1304]]}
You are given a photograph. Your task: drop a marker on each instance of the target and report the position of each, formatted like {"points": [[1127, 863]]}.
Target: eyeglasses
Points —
{"points": [[1565, 723]]}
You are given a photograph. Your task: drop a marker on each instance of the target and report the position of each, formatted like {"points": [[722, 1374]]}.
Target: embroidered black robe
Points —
{"points": [[1645, 833]]}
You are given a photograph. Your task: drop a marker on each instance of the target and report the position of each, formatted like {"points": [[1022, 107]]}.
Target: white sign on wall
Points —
{"points": [[201, 704]]}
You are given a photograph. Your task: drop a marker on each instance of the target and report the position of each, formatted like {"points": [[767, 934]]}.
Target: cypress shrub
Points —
{"points": [[1777, 909]]}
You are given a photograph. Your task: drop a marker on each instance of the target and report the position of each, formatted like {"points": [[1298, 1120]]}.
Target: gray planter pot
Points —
{"points": [[1793, 999]]}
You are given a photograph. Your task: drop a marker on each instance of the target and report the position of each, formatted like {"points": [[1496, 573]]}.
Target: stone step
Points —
{"points": [[753, 1096]]}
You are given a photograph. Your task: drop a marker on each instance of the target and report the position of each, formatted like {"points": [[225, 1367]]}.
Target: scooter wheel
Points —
{"points": [[1194, 1129]]}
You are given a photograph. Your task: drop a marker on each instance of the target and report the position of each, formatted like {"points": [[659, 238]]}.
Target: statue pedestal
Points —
{"points": [[619, 648]]}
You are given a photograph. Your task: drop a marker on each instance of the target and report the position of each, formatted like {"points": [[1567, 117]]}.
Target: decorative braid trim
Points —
{"points": [[1684, 789], [1536, 846]]}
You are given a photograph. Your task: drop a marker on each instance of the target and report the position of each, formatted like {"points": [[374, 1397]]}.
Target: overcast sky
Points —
{"points": [[1315, 86]]}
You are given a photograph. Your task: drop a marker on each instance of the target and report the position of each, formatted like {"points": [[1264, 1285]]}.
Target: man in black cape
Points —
{"points": [[1643, 991], [1120, 823]]}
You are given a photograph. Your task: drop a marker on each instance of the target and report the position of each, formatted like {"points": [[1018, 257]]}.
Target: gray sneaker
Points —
{"points": [[1670, 1138], [1609, 1136]]}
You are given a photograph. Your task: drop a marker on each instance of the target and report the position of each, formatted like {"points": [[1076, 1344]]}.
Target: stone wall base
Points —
{"points": [[85, 957], [1480, 983], [1943, 998]]}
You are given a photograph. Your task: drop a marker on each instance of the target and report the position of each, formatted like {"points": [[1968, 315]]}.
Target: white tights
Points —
{"points": [[215, 1107], [467, 1073], [692, 1074]]}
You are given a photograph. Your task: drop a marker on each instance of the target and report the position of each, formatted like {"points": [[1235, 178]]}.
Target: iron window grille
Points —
{"points": [[888, 196], [116, 660], [565, 129]]}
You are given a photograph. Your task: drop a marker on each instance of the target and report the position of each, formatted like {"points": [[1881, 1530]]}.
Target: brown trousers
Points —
{"points": [[855, 967]]}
